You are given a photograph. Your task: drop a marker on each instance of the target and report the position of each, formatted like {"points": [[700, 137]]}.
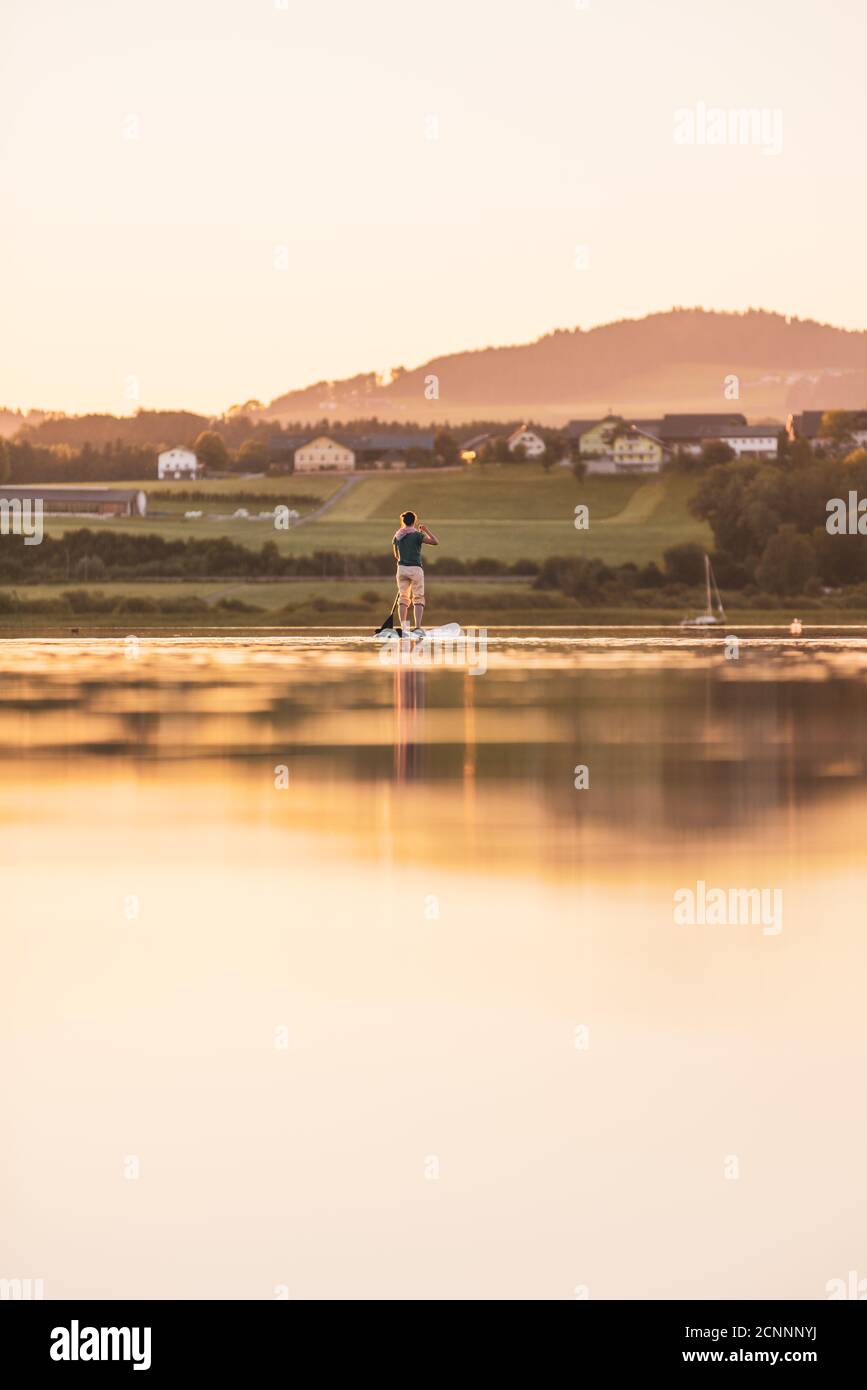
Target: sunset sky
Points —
{"points": [[423, 172]]}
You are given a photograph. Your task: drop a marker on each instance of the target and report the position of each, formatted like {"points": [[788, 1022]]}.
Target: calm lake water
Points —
{"points": [[321, 976]]}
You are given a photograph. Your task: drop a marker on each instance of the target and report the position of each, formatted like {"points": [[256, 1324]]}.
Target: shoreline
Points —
{"points": [[776, 625]]}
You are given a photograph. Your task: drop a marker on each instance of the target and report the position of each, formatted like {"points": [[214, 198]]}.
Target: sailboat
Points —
{"points": [[708, 618]]}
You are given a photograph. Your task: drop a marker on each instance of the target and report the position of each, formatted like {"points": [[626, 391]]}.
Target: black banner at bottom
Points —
{"points": [[223, 1338]]}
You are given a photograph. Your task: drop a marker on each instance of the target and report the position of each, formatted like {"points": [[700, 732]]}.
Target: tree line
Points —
{"points": [[770, 524], [105, 555], [32, 457]]}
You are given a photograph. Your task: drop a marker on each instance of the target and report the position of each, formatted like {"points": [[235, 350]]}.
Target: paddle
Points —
{"points": [[389, 622]]}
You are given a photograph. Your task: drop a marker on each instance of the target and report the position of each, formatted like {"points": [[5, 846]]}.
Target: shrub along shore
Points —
{"points": [[189, 606], [105, 574]]}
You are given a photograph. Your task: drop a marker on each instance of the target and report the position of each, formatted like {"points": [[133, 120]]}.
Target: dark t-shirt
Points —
{"points": [[409, 548]]}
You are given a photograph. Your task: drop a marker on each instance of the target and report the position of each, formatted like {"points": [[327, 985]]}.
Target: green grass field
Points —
{"points": [[333, 603], [509, 512], [272, 595]]}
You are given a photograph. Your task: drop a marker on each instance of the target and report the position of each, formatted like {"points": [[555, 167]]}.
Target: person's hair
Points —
{"points": [[408, 518]]}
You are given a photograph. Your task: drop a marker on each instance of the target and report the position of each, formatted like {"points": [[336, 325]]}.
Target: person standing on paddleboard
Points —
{"points": [[406, 544]]}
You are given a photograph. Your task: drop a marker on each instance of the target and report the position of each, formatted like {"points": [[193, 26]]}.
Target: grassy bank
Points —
{"points": [[172, 605], [507, 512]]}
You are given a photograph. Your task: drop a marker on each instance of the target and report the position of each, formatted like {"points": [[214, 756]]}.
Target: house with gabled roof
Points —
{"points": [[636, 451], [523, 438], [598, 440], [178, 463], [324, 454]]}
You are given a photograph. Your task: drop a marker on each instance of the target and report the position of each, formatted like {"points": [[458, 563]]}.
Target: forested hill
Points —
{"points": [[670, 361], [681, 360]]}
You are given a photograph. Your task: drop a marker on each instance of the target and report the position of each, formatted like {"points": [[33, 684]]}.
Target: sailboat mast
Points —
{"points": [[716, 593], [707, 583]]}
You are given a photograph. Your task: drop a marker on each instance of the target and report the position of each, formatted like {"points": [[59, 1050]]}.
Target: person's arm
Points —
{"points": [[395, 551], [428, 534]]}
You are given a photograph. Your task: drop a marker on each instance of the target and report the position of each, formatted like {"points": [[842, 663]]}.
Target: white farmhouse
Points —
{"points": [[533, 443], [751, 441], [177, 463], [323, 453]]}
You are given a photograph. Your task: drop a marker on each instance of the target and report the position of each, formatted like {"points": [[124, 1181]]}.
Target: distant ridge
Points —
{"points": [[676, 361]]}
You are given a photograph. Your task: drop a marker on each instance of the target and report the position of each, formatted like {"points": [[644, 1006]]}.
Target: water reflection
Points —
{"points": [[429, 909], [409, 723]]}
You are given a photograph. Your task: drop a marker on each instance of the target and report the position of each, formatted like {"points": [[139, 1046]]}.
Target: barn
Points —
{"points": [[80, 501]]}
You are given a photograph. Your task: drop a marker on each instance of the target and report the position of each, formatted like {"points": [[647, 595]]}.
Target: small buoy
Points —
{"points": [[795, 627]]}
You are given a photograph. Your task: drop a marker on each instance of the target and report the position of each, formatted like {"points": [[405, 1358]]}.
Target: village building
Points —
{"points": [[324, 454], [80, 501], [576, 428], [617, 445], [807, 425], [750, 441], [598, 440], [308, 453], [393, 450], [637, 451], [472, 448], [523, 438], [178, 463], [629, 450], [804, 425], [687, 433]]}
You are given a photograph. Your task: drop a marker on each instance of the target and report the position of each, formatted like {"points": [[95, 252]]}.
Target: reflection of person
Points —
{"points": [[406, 544]]}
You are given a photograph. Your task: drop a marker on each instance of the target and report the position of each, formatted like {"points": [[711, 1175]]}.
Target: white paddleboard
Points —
{"points": [[441, 634]]}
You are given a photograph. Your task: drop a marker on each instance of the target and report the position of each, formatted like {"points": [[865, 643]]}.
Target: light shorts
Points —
{"points": [[410, 583]]}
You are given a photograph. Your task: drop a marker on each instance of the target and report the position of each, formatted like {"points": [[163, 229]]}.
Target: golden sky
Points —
{"points": [[210, 200]]}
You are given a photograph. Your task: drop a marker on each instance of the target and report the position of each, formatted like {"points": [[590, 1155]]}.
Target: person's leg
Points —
{"points": [[403, 588], [418, 596]]}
